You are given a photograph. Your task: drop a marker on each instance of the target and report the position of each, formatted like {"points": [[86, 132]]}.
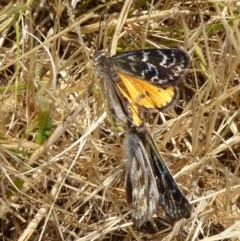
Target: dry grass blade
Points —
{"points": [[62, 171]]}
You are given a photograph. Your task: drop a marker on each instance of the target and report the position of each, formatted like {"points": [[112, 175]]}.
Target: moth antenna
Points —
{"points": [[99, 31]]}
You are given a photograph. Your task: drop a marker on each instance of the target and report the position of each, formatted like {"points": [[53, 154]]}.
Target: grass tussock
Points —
{"points": [[62, 171]]}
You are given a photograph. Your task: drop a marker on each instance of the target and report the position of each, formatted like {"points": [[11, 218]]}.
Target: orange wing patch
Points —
{"points": [[133, 108], [147, 95]]}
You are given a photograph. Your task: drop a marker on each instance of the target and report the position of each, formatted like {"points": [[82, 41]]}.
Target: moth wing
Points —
{"points": [[162, 67], [148, 96], [173, 201], [141, 188]]}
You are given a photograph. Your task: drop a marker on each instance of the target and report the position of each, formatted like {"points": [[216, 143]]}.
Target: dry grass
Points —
{"points": [[62, 173]]}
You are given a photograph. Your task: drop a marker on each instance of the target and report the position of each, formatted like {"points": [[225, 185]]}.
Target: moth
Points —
{"points": [[137, 82], [141, 80], [148, 181]]}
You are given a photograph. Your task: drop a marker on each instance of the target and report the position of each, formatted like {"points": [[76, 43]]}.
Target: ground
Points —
{"points": [[61, 147]]}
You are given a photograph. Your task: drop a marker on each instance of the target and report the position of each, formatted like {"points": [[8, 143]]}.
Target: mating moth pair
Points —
{"points": [[136, 82]]}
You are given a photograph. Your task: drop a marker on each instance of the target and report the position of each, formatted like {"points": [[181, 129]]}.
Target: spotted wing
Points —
{"points": [[174, 203], [162, 67], [141, 188], [149, 182]]}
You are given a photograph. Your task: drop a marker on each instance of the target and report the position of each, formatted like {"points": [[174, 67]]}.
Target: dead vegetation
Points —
{"points": [[62, 172]]}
